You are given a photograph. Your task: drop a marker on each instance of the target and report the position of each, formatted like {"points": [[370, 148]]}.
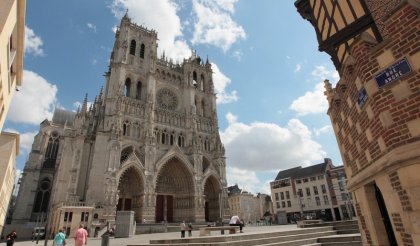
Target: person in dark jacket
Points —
{"points": [[10, 238]]}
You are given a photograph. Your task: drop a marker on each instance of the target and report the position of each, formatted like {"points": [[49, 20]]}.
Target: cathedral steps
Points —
{"points": [[294, 237], [342, 240], [342, 227]]}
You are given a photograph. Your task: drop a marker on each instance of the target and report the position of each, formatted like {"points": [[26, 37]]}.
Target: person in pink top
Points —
{"points": [[80, 237]]}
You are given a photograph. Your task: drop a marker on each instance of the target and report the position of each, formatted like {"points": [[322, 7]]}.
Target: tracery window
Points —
{"points": [[181, 140], [51, 152], [127, 87], [133, 47], [142, 48], [138, 91], [195, 79], [202, 83], [42, 196]]}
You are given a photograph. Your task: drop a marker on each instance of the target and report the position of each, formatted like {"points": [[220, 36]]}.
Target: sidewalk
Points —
{"points": [[145, 238]]}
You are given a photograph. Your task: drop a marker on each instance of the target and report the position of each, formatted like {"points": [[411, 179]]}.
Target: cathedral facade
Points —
{"points": [[149, 143]]}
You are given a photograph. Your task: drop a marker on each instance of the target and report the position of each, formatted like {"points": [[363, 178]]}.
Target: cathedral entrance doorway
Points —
{"points": [[175, 193], [212, 194], [131, 193], [164, 208]]}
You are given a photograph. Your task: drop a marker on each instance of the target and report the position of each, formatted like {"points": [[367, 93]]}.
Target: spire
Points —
{"points": [[101, 94], [84, 105], [126, 14]]}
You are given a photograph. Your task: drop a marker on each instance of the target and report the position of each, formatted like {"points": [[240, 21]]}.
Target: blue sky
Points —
{"points": [[268, 73]]}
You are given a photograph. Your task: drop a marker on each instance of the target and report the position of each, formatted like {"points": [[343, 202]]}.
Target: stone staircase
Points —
{"points": [[322, 235], [342, 227]]}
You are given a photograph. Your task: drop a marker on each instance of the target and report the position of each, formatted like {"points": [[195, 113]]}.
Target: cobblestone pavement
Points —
{"points": [[145, 238]]}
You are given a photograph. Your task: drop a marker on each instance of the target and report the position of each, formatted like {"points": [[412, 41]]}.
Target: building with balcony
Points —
{"points": [[374, 108]]}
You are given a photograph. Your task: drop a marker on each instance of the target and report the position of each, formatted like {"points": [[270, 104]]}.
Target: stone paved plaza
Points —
{"points": [[145, 238]]}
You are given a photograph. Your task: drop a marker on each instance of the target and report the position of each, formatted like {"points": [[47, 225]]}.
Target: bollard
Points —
{"points": [[105, 239]]}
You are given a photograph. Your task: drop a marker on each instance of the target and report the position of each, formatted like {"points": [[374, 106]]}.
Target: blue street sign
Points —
{"points": [[393, 72]]}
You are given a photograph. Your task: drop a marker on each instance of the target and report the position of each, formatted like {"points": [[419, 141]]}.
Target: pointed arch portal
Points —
{"points": [[212, 193], [174, 193], [131, 193]]}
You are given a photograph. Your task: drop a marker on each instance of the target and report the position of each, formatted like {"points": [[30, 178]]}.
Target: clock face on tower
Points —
{"points": [[166, 99]]}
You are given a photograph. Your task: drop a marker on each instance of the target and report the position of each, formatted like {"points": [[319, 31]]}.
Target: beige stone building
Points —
{"points": [[12, 36], [344, 198], [149, 143], [249, 207], [12, 28], [374, 109], [9, 149], [312, 192]]}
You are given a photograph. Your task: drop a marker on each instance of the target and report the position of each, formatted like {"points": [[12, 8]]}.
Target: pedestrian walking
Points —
{"points": [[60, 238], [190, 227], [183, 228], [10, 238], [80, 237]]}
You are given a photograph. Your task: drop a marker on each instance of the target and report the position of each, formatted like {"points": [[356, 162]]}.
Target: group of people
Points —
{"points": [[185, 227], [80, 237]]}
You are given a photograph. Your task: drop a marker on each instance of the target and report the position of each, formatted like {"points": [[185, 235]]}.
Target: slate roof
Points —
{"points": [[299, 172], [234, 190], [63, 117]]}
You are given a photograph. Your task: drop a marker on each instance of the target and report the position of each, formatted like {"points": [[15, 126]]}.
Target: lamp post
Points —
{"points": [[300, 205]]}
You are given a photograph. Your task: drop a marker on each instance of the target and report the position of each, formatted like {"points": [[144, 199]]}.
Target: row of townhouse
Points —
{"points": [[249, 207], [315, 192]]}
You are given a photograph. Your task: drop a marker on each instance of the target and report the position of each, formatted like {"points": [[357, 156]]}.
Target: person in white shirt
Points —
{"points": [[235, 221]]}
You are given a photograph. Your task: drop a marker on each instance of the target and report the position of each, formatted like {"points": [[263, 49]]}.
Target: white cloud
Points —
{"points": [[214, 24], [263, 146], [35, 100], [228, 5], [314, 102], [297, 68], [26, 140], [322, 130], [18, 174], [320, 73], [78, 105], [33, 43], [161, 15], [238, 54], [220, 83], [114, 29], [248, 180], [91, 26]]}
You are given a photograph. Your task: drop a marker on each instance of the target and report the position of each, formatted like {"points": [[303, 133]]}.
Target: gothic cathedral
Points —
{"points": [[149, 143]]}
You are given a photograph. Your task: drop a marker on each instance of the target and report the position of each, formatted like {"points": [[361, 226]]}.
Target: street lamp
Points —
{"points": [[300, 205]]}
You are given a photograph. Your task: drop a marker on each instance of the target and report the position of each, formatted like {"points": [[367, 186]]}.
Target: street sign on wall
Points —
{"points": [[393, 72]]}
